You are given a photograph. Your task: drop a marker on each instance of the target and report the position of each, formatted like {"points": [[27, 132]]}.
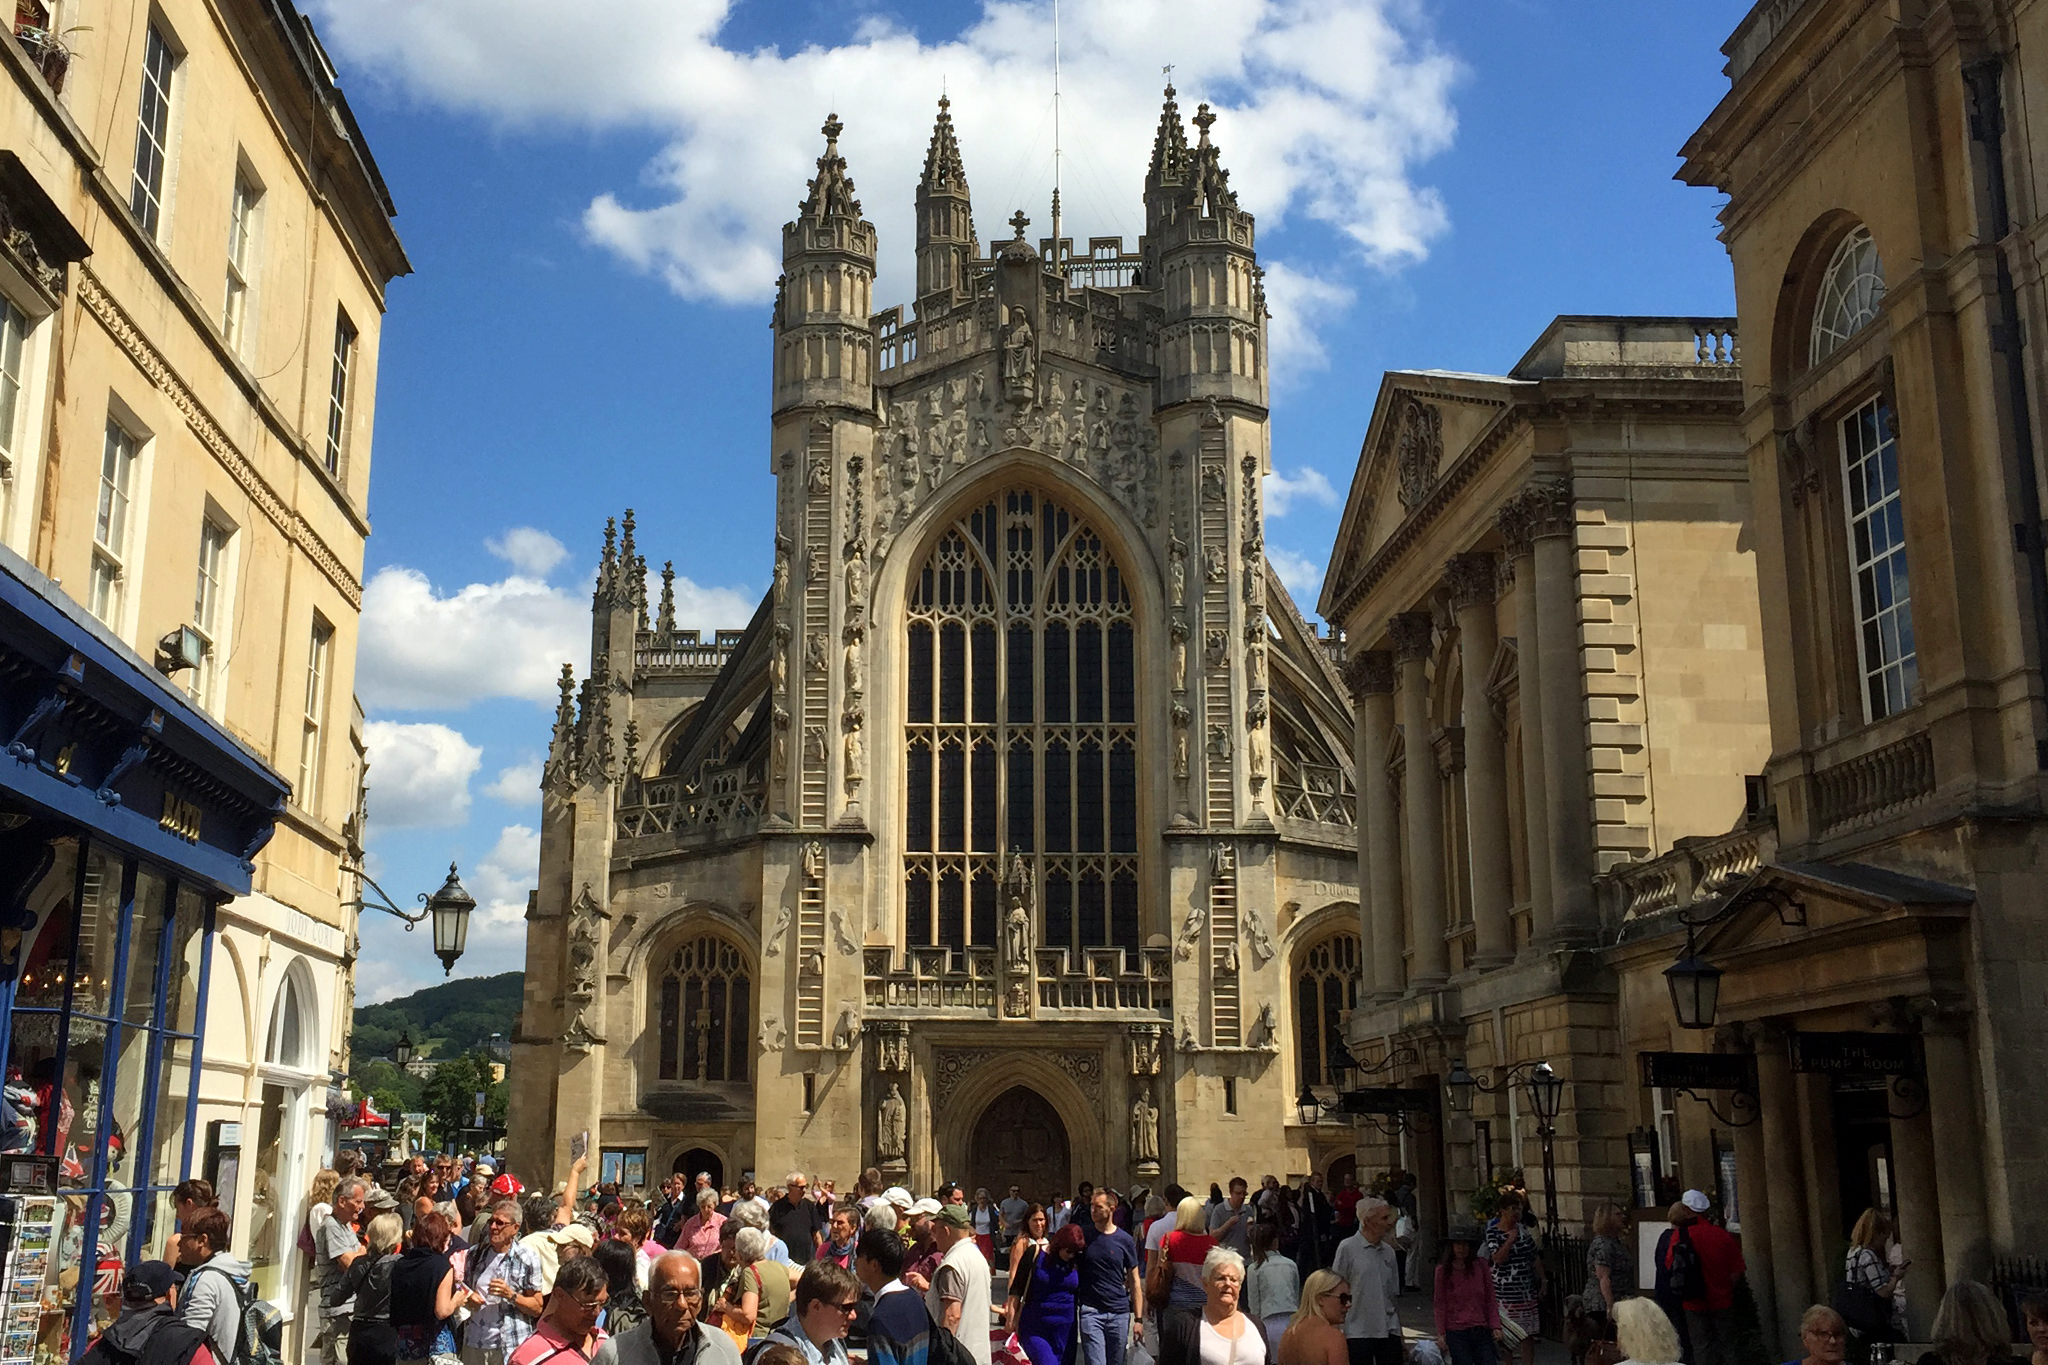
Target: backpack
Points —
{"points": [[1682, 1275], [943, 1348], [262, 1325]]}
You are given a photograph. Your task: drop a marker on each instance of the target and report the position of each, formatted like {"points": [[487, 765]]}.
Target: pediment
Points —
{"points": [[1423, 423], [1784, 907]]}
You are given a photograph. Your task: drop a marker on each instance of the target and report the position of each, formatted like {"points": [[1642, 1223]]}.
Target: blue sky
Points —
{"points": [[590, 205]]}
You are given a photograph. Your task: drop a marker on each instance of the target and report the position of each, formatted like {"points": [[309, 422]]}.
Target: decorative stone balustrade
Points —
{"points": [[682, 651], [968, 981], [1868, 787], [729, 802], [1695, 870]]}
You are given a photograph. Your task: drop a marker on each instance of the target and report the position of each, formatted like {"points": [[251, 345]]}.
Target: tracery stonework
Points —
{"points": [[1018, 547]]}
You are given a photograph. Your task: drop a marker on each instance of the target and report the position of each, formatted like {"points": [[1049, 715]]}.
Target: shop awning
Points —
{"points": [[91, 735]]}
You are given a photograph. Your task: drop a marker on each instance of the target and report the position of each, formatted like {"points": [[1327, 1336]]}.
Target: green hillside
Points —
{"points": [[444, 1021]]}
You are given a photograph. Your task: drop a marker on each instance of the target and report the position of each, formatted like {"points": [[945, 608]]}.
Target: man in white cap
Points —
{"points": [[1701, 1263]]}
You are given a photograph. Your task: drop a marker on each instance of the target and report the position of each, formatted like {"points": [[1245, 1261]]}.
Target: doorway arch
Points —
{"points": [[1020, 1140], [699, 1161]]}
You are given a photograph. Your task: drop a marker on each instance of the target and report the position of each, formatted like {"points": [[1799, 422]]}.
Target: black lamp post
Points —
{"points": [[449, 908], [402, 1053], [1546, 1097]]}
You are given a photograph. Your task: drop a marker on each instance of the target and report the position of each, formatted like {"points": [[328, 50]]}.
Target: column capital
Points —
{"points": [[1470, 579], [1413, 632], [1550, 508], [1369, 672]]}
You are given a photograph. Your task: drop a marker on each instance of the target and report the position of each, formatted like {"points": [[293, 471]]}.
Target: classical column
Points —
{"points": [[1919, 1217], [1791, 1268], [1370, 674], [1564, 715], [1958, 1145], [1472, 583], [1422, 799], [1519, 570], [1753, 1190]]}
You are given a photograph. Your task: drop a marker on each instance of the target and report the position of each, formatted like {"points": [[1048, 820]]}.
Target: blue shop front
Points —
{"points": [[127, 817]]}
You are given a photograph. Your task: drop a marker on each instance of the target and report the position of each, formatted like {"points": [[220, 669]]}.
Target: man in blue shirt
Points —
{"points": [[1112, 1287]]}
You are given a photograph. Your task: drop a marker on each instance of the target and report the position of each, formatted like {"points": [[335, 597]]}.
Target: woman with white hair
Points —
{"points": [[1644, 1333], [698, 1234], [1226, 1336], [756, 1296]]}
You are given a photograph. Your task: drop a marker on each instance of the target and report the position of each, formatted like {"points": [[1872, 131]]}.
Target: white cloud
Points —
{"points": [[419, 774], [507, 639], [518, 785], [423, 650], [1327, 109], [1302, 575], [529, 550], [1300, 303], [502, 879], [1310, 485]]}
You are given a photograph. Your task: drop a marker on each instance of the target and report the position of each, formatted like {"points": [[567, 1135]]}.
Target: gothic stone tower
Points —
{"points": [[1012, 840]]}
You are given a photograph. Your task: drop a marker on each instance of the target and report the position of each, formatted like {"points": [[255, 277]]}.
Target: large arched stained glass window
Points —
{"points": [[1021, 713], [1325, 990], [706, 1024], [1851, 288]]}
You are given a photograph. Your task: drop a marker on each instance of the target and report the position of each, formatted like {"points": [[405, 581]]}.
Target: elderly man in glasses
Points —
{"points": [[672, 1334], [503, 1283]]}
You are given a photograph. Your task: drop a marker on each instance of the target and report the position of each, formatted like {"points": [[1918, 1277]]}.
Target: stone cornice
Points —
{"points": [[288, 519]]}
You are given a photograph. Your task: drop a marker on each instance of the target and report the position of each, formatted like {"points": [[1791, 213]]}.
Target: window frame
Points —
{"points": [[1319, 1039], [245, 216], [150, 196], [1862, 613], [341, 391], [1859, 238], [674, 1053], [215, 626], [313, 724], [116, 509]]}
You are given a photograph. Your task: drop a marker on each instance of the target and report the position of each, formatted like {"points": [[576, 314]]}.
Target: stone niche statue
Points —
{"points": [[1144, 1132], [892, 1126], [1020, 359]]}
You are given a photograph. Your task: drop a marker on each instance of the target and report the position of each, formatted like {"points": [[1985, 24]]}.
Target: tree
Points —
{"points": [[449, 1096]]}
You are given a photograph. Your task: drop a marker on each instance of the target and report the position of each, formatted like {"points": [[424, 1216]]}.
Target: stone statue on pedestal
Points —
{"points": [[892, 1135]]}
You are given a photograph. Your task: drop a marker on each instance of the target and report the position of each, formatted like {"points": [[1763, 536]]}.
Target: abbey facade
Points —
{"points": [[1013, 840]]}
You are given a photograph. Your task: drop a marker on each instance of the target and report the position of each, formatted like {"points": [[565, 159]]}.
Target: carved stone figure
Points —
{"points": [[892, 1046], [772, 1033], [892, 1126], [1056, 431], [854, 669], [814, 863], [1017, 931], [1017, 1003], [857, 579], [978, 385], [781, 571], [814, 565], [814, 651], [1219, 741], [841, 935], [1176, 573], [1144, 1132], [856, 756], [772, 942], [1188, 1041], [846, 1032], [1213, 565], [1255, 665], [1212, 483], [821, 478], [778, 672], [1191, 931], [1020, 359], [1265, 1030], [814, 744], [1418, 450], [1255, 935], [1178, 633]]}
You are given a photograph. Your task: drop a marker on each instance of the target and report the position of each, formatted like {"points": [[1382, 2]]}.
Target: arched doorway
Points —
{"points": [[696, 1162], [1019, 1140]]}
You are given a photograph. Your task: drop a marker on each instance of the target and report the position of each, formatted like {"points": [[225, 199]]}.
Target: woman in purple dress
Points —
{"points": [[1041, 1308]]}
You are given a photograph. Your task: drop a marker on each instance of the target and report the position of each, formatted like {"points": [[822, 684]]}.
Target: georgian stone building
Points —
{"points": [[1883, 960], [1012, 840], [1547, 580]]}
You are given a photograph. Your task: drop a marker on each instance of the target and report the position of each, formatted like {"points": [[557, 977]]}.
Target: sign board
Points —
{"points": [[1855, 1054], [1699, 1071], [1388, 1099], [21, 1174]]}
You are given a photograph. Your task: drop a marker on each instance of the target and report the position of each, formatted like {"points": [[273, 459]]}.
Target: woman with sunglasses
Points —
{"points": [[1315, 1335], [1467, 1314]]}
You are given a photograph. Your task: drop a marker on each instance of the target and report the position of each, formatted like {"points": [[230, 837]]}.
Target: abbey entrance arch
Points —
{"points": [[1019, 1140]]}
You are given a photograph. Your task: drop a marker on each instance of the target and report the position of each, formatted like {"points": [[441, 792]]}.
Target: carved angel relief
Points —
{"points": [[1418, 450]]}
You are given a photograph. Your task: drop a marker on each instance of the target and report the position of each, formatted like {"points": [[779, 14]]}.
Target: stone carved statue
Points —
{"points": [[1178, 633], [814, 651], [821, 478], [1255, 935], [1176, 573], [772, 943], [1212, 483], [852, 659], [814, 565], [1017, 931], [778, 672], [855, 755], [781, 571], [892, 1126], [1219, 741], [1265, 1030], [846, 1032], [1212, 564], [1191, 931], [772, 1033], [1144, 1132], [814, 861], [856, 580], [1020, 358]]}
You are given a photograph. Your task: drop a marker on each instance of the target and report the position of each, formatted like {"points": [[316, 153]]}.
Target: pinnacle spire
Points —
{"points": [[1208, 183], [943, 168], [831, 193], [665, 623], [1170, 143]]}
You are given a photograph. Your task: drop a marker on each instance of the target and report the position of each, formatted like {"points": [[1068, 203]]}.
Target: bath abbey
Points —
{"points": [[1013, 839]]}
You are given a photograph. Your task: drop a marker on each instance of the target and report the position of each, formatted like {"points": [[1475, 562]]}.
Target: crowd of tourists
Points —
{"points": [[459, 1264]]}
